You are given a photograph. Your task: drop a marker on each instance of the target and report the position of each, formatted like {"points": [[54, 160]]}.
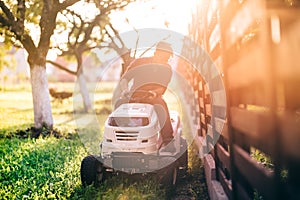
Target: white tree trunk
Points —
{"points": [[84, 93], [40, 96]]}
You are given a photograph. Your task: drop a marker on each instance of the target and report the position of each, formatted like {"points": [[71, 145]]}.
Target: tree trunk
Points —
{"points": [[84, 92], [40, 96]]}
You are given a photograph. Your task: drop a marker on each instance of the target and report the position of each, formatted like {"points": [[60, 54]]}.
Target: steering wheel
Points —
{"points": [[139, 95]]}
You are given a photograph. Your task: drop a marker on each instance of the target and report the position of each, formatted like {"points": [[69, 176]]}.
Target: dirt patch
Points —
{"points": [[33, 132]]}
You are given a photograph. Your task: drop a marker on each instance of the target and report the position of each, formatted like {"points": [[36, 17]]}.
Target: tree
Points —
{"points": [[85, 33], [14, 22]]}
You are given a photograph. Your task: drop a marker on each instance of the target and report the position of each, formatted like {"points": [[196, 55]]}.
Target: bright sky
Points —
{"points": [[155, 14]]}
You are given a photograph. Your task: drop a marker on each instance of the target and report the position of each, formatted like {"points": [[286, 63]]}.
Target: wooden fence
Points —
{"points": [[255, 45]]}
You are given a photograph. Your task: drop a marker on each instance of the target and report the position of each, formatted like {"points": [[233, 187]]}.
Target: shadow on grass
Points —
{"points": [[28, 131], [10, 132]]}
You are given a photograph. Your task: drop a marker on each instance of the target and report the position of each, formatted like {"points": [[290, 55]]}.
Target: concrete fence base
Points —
{"points": [[215, 189]]}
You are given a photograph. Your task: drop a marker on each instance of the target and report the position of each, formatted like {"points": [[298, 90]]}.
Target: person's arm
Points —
{"points": [[124, 85]]}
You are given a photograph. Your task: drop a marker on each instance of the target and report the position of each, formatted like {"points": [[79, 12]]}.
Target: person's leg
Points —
{"points": [[162, 111]]}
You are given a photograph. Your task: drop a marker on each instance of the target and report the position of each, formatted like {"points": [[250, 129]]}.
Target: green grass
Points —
{"points": [[48, 167], [39, 169]]}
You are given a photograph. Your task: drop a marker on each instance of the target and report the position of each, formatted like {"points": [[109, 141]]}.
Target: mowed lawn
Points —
{"points": [[48, 167]]}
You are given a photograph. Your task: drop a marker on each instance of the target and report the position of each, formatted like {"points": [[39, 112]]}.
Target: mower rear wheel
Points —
{"points": [[169, 175], [169, 180]]}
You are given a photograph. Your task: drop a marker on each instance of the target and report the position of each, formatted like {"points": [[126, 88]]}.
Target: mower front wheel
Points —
{"points": [[91, 171]]}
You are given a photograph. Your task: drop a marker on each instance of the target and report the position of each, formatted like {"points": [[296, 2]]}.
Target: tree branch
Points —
{"points": [[12, 25], [74, 27], [28, 43], [59, 66], [136, 45], [48, 21], [88, 30], [47, 25], [116, 33], [21, 11], [7, 12], [4, 22], [96, 46], [66, 4]]}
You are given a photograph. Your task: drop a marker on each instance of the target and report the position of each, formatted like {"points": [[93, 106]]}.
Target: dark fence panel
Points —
{"points": [[255, 46]]}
